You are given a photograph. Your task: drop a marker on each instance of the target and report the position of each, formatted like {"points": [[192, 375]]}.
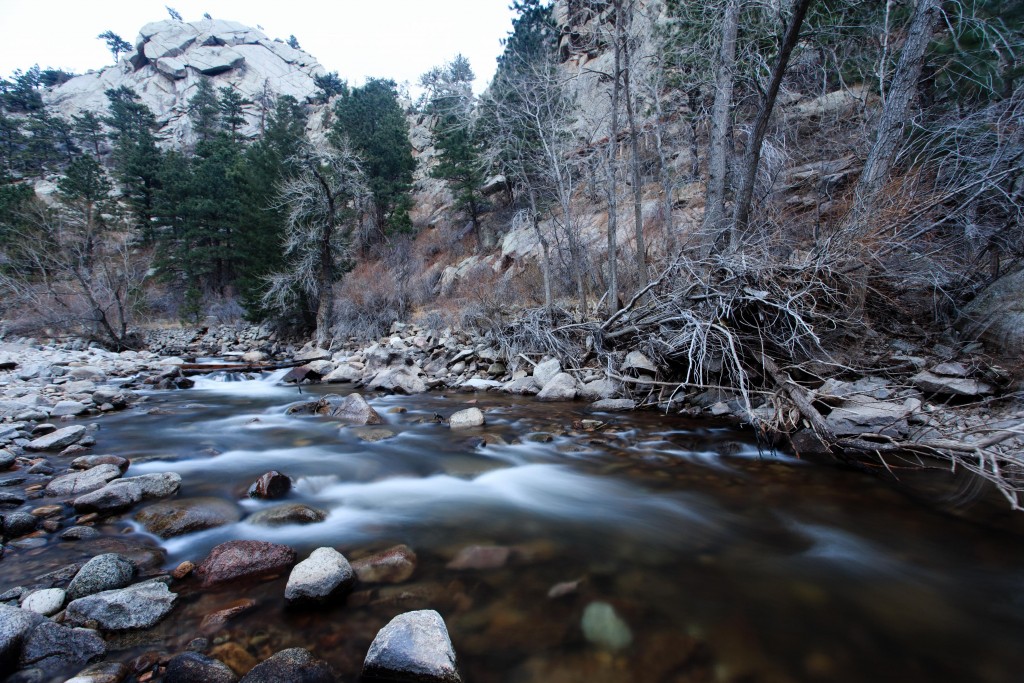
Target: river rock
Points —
{"points": [[522, 386], [55, 441], [121, 494], [195, 667], [47, 602], [612, 405], [101, 672], [561, 387], [354, 409], [637, 362], [412, 647], [293, 665], [394, 565], [401, 380], [343, 373], [79, 533], [52, 646], [864, 415], [545, 371], [65, 408], [323, 576], [135, 607], [186, 515], [236, 560], [87, 462], [271, 485], [598, 390], [87, 372], [950, 385], [312, 354], [604, 627], [15, 626], [102, 573], [470, 417], [7, 460], [292, 513], [77, 483], [18, 524]]}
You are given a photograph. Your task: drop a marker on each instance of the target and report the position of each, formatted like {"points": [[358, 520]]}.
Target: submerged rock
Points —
{"points": [[77, 483], [178, 517], [481, 557], [394, 565], [412, 647], [325, 575], [292, 513], [295, 665], [604, 627], [135, 607], [236, 560]]}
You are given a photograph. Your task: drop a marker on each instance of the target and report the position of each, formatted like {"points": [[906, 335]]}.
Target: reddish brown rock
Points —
{"points": [[214, 621], [481, 557], [236, 560], [271, 485], [183, 570], [393, 565]]}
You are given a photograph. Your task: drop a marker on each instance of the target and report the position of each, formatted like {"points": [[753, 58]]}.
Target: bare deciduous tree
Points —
{"points": [[322, 200]]}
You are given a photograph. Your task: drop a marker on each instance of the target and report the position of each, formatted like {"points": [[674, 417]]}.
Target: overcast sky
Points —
{"points": [[398, 39]]}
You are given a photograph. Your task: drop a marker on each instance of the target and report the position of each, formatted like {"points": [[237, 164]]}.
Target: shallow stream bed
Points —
{"points": [[725, 562]]}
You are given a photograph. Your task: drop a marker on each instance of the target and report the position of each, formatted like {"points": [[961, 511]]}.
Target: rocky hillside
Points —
{"points": [[171, 57]]}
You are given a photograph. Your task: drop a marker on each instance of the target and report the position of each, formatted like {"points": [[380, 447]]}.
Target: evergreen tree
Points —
{"points": [[115, 43], [372, 119], [449, 89], [327, 86], [88, 131], [85, 191], [293, 43], [136, 157], [204, 111], [232, 114]]}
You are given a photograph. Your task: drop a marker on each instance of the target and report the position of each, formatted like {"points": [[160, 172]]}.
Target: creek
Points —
{"points": [[725, 561]]}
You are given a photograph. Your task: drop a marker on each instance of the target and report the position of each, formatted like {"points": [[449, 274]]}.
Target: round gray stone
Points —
{"points": [[413, 647], [102, 573]]}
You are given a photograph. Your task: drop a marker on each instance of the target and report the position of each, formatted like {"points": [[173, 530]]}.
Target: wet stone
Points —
{"points": [[86, 462], [238, 560], [603, 627], [102, 573], [17, 524], [53, 646], [192, 667], [481, 557], [271, 485], [79, 533], [139, 606], [47, 602], [178, 517], [57, 440], [414, 646], [292, 513], [295, 664], [323, 576], [78, 483], [102, 672], [394, 565]]}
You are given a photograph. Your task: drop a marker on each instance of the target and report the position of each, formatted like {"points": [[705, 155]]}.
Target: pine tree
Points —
{"points": [[232, 114], [115, 43], [204, 111], [372, 119], [136, 157]]}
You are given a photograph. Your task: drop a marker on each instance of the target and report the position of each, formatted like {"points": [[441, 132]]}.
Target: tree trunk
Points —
{"points": [[889, 130], [634, 143], [752, 158], [719, 152], [612, 189]]}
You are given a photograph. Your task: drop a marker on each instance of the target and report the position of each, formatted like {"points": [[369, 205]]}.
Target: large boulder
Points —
{"points": [[102, 573], [996, 315], [323, 576], [343, 373], [238, 560], [57, 440], [412, 647], [271, 485], [950, 385], [186, 515], [861, 415], [561, 387], [398, 379], [136, 607], [78, 483], [295, 665]]}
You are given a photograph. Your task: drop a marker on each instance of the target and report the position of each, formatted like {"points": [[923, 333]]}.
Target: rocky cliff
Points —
{"points": [[171, 57]]}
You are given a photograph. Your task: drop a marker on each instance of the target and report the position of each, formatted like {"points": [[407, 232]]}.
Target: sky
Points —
{"points": [[397, 39]]}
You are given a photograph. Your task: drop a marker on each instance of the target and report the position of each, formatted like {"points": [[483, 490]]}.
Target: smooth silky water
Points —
{"points": [[727, 562]]}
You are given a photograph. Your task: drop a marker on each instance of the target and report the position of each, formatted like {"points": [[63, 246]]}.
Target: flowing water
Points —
{"points": [[725, 562]]}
